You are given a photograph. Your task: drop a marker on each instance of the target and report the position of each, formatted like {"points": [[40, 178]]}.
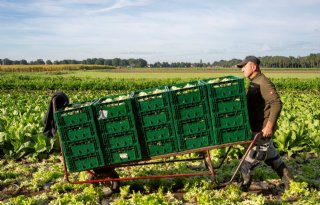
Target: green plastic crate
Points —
{"points": [[114, 106], [124, 154], [232, 104], [199, 140], [156, 118], [235, 134], [193, 127], [114, 114], [224, 87], [81, 147], [229, 120], [74, 114], [78, 132], [113, 127], [194, 133], [159, 133], [152, 99], [196, 111], [120, 140], [159, 139], [86, 162], [161, 147], [187, 93]]}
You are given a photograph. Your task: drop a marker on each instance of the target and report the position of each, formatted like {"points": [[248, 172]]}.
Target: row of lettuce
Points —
{"points": [[23, 106], [28, 82]]}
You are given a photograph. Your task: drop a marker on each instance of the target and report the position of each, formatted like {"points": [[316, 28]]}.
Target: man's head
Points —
{"points": [[250, 66]]}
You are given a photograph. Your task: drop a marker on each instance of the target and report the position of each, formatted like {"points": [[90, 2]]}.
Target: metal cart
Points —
{"points": [[232, 87]]}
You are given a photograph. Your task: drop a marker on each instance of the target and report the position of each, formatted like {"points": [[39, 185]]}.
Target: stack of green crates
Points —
{"points": [[191, 114], [117, 128], [79, 138], [228, 108], [153, 122]]}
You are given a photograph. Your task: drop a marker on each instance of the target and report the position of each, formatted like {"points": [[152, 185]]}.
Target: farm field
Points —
{"points": [[31, 170], [176, 73]]}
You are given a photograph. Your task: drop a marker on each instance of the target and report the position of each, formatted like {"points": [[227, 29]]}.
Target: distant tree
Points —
{"points": [[39, 62], [1, 62], [65, 61], [89, 61], [165, 65], [74, 61], [48, 62], [99, 61], [93, 60], [157, 65], [175, 65], [107, 62], [23, 62], [7, 61], [124, 63], [116, 61], [132, 62], [141, 63]]}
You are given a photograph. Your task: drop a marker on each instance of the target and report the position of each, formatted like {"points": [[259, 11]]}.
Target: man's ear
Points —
{"points": [[254, 67]]}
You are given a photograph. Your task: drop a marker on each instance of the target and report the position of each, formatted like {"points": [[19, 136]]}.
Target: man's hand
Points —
{"points": [[267, 131]]}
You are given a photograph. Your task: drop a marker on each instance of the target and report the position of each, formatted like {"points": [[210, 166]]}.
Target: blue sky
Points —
{"points": [[158, 30]]}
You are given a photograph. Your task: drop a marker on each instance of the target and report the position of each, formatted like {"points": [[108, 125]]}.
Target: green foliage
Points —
{"points": [[88, 196], [21, 122], [299, 124], [28, 82], [24, 200], [150, 199], [21, 126], [8, 82], [229, 195], [295, 84], [195, 190]]}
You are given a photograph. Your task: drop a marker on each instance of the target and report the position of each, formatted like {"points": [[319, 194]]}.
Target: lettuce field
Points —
{"points": [[31, 170]]}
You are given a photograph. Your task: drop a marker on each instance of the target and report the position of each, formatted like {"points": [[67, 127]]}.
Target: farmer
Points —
{"points": [[264, 107]]}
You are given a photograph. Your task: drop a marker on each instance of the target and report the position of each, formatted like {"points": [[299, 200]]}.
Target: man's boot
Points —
{"points": [[246, 181], [285, 175]]}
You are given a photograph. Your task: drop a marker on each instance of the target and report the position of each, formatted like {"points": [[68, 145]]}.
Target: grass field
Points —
{"points": [[176, 73]]}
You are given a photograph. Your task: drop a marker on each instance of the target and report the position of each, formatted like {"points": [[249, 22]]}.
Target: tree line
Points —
{"points": [[310, 61], [117, 62]]}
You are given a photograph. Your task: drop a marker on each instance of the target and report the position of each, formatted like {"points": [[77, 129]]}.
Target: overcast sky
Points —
{"points": [[158, 30]]}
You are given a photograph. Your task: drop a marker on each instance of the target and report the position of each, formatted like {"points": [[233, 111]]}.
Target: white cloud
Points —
{"points": [[118, 5]]}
